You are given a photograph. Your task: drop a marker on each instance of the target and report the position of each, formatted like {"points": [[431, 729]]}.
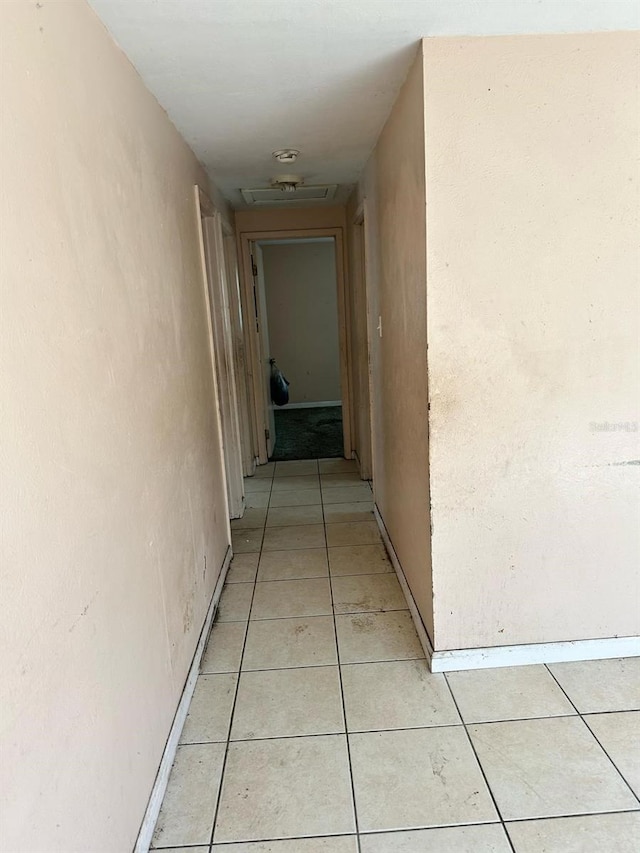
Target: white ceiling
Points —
{"points": [[242, 78]]}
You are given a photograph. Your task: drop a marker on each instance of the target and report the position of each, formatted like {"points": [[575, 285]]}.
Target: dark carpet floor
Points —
{"points": [[308, 433]]}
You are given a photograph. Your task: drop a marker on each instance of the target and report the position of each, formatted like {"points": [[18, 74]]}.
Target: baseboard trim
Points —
{"points": [[423, 636], [498, 656], [162, 778], [532, 653], [321, 404]]}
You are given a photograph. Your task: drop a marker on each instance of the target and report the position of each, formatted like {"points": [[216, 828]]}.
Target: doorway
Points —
{"points": [[296, 292]]}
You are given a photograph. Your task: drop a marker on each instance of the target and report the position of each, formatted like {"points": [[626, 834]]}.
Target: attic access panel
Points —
{"points": [[274, 195]]}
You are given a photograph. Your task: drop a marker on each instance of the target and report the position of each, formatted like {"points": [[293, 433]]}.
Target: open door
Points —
{"points": [[239, 351], [222, 342], [262, 327]]}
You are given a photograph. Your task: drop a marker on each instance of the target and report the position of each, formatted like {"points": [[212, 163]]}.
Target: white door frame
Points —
{"points": [[240, 356], [257, 378], [211, 235], [361, 317], [262, 326]]}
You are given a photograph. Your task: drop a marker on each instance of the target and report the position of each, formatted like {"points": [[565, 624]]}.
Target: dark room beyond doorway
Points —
{"points": [[308, 433]]}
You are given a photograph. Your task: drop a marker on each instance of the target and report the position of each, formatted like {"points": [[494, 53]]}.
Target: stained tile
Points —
{"points": [[346, 494], [433, 774], [337, 466], [296, 497], [346, 479], [367, 593], [257, 484], [354, 511], [256, 500], [396, 695], [289, 484], [353, 533], [359, 560], [198, 849], [224, 647], [288, 702], [210, 709], [246, 541], [296, 468], [619, 735], [186, 816], [543, 768], [280, 643], [235, 602], [298, 536], [485, 838], [603, 833], [336, 844], [265, 470], [285, 516], [377, 637], [243, 568], [253, 517], [283, 599], [285, 788], [511, 693], [601, 685], [290, 565]]}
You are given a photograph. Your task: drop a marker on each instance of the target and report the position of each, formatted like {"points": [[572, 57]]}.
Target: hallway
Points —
{"points": [[466, 176], [312, 630]]}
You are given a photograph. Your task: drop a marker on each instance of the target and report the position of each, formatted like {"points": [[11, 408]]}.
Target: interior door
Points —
{"points": [[222, 342], [260, 300], [240, 355]]}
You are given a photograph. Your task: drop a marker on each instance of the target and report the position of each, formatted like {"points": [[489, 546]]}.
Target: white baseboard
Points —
{"points": [[322, 404], [425, 641], [162, 778], [499, 656], [531, 653]]}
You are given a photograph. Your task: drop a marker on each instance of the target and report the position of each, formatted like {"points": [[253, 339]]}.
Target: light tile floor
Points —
{"points": [[316, 726]]}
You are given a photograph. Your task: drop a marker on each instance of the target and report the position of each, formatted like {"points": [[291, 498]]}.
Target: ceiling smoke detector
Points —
{"points": [[286, 155], [287, 183]]}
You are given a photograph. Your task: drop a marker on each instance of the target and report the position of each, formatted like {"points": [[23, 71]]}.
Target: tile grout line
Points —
{"points": [[235, 697], [308, 665], [484, 775], [344, 708], [366, 731], [314, 577], [309, 524], [593, 735], [373, 832], [317, 615]]}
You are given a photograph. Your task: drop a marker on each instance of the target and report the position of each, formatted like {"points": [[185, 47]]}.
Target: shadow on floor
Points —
{"points": [[308, 433]]}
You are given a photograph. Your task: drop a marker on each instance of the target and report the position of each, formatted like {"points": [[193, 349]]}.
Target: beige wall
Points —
{"points": [[532, 201], [111, 485], [302, 311], [393, 190], [286, 219]]}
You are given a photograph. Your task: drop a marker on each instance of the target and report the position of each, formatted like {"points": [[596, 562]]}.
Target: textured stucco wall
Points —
{"points": [[532, 222], [111, 486]]}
